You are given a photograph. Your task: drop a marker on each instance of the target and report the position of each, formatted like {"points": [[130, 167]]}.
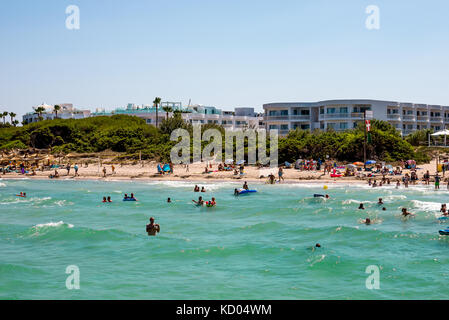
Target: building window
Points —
{"points": [[343, 125], [344, 110], [305, 112], [284, 112], [284, 126], [149, 121], [330, 110]]}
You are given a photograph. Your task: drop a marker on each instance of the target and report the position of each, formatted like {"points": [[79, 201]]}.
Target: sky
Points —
{"points": [[233, 53]]}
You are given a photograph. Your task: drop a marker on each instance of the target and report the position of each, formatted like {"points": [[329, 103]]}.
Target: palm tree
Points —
{"points": [[4, 115], [39, 111], [15, 123], [56, 108], [12, 115], [156, 102], [167, 109]]}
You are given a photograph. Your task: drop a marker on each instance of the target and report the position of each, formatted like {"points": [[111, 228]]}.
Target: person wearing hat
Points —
{"points": [[153, 228]]}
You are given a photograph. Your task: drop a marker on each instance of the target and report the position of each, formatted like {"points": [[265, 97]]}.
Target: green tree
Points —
{"points": [[12, 115], [167, 109], [156, 103], [56, 109], [4, 115], [39, 111]]}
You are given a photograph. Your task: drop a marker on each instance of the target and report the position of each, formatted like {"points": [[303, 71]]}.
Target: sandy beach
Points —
{"points": [[196, 172]]}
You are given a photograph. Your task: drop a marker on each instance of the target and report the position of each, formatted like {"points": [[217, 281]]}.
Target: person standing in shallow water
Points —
{"points": [[153, 228], [437, 181]]}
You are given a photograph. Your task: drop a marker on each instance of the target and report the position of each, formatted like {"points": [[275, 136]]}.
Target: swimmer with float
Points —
{"points": [[211, 203]]}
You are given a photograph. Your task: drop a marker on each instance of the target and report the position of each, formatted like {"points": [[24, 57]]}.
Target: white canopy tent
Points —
{"points": [[444, 133]]}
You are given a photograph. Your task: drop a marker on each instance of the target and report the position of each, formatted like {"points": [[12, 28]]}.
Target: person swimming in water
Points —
{"points": [[153, 228], [104, 199], [327, 196], [200, 201], [384, 209], [202, 189], [361, 207], [245, 186], [367, 221], [168, 200], [236, 192], [405, 213], [380, 202], [109, 199], [126, 196], [196, 189]]}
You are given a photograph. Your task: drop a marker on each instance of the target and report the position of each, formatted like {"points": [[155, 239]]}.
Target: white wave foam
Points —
{"points": [[426, 206], [53, 224], [2, 184], [351, 201]]}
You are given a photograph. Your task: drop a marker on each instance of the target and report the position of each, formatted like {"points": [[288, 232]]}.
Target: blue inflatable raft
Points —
{"points": [[244, 191], [444, 232], [129, 199]]}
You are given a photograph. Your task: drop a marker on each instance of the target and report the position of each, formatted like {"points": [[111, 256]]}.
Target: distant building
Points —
{"points": [[195, 114], [340, 115], [67, 111]]}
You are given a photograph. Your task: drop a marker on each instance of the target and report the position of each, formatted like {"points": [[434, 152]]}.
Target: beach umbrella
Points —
{"points": [[229, 161], [351, 165], [241, 162], [411, 161], [371, 162], [358, 163]]}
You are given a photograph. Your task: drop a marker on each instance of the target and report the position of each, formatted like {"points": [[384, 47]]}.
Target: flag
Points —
{"points": [[368, 125], [368, 129]]}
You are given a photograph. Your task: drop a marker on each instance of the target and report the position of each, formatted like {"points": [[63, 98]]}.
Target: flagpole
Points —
{"points": [[364, 141]]}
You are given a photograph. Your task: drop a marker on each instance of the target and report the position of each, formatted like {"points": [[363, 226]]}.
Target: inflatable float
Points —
{"points": [[316, 195], [444, 232], [129, 199], [20, 195], [244, 191], [333, 175]]}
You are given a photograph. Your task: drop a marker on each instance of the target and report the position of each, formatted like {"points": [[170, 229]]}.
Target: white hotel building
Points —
{"points": [[345, 114]]}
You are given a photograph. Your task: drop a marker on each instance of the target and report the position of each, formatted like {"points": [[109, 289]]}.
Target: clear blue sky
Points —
{"points": [[225, 53]]}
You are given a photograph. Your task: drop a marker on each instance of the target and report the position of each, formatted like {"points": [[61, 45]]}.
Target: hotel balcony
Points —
{"points": [[278, 117], [297, 117], [394, 116], [436, 119], [409, 117], [342, 116], [422, 118]]}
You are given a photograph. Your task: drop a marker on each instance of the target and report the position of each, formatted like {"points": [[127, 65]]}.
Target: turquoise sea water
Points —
{"points": [[257, 246]]}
